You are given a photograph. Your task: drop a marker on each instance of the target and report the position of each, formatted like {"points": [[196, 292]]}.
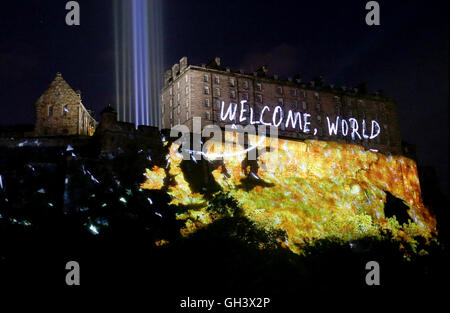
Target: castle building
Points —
{"points": [[300, 110], [60, 111]]}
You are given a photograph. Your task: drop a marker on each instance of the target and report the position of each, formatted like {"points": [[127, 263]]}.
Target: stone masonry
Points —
{"points": [[60, 111], [191, 90]]}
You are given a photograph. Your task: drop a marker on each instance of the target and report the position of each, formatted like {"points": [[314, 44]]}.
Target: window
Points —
{"points": [[170, 103], [303, 94], [295, 104], [162, 109], [205, 78], [216, 79], [245, 84], [316, 95], [207, 115], [178, 109], [187, 78], [207, 102], [304, 105], [233, 94], [50, 110], [187, 103], [178, 96], [65, 110], [218, 103], [294, 92], [178, 85], [319, 118], [259, 98], [318, 106], [171, 114], [232, 82], [259, 86], [206, 90], [280, 101], [217, 92], [187, 115], [179, 122], [187, 90], [279, 90], [170, 91], [245, 96]]}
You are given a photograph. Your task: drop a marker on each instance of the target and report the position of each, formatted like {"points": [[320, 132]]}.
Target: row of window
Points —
{"points": [[50, 111], [179, 112], [206, 91], [179, 87], [178, 94], [232, 82], [259, 99]]}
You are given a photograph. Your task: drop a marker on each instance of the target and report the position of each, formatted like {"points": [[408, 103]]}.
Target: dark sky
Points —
{"points": [[406, 56]]}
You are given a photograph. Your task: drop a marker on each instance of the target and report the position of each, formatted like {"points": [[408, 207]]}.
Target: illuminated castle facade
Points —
{"points": [[300, 110], [60, 111]]}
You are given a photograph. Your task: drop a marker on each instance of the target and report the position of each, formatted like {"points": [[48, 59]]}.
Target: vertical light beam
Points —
{"points": [[138, 60]]}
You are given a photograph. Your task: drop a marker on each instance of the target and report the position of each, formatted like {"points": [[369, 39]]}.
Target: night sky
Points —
{"points": [[406, 56]]}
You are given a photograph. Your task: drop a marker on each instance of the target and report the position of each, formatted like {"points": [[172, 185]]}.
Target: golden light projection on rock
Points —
{"points": [[312, 190]]}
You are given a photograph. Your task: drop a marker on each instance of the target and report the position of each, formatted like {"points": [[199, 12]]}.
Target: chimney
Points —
{"points": [[262, 70], [183, 63], [167, 77], [175, 70]]}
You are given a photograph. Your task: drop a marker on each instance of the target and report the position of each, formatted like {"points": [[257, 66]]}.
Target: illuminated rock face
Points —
{"points": [[311, 190]]}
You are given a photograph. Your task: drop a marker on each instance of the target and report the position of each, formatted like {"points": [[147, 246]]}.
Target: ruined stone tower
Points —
{"points": [[60, 111]]}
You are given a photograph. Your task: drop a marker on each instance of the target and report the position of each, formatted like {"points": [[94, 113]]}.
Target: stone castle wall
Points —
{"points": [[198, 91]]}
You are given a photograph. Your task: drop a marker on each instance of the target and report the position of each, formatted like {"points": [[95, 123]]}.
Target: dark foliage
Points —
{"points": [[231, 256]]}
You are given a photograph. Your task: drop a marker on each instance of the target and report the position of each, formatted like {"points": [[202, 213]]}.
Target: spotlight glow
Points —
{"points": [[138, 60]]}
